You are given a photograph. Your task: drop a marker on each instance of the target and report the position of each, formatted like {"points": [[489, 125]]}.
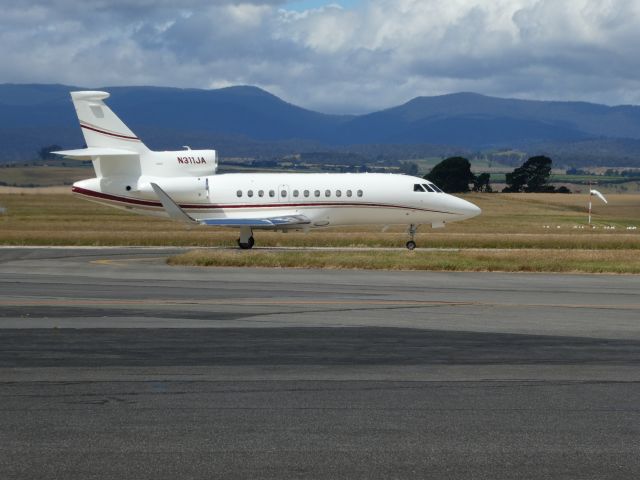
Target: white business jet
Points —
{"points": [[184, 186]]}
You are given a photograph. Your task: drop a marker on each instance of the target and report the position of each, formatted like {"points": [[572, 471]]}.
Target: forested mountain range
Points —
{"points": [[246, 121]]}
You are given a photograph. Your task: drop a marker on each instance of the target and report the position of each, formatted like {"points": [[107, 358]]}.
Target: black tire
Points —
{"points": [[411, 245], [248, 245]]}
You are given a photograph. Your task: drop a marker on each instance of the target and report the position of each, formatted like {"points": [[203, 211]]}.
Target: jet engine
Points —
{"points": [[181, 189]]}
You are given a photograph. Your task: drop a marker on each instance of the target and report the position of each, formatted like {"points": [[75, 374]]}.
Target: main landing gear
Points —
{"points": [[246, 241], [246, 245], [411, 244]]}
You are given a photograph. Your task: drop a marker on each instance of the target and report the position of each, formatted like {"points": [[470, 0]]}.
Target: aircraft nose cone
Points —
{"points": [[472, 210], [467, 209]]}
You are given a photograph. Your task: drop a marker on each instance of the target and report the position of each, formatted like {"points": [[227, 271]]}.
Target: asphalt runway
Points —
{"points": [[115, 365]]}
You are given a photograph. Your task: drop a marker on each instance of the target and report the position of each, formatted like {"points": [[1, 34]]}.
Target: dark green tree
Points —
{"points": [[481, 183], [532, 176], [452, 175], [409, 168], [516, 180]]}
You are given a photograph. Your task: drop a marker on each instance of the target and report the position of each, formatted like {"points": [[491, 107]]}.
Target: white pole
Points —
{"points": [[589, 202]]}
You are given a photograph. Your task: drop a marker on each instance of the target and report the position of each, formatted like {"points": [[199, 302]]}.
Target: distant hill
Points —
{"points": [[479, 121], [248, 121]]}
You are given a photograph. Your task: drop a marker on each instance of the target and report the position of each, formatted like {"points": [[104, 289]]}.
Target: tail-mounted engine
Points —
{"points": [[181, 189], [181, 163]]}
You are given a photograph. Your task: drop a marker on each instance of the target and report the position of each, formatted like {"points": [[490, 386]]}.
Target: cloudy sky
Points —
{"points": [[346, 56]]}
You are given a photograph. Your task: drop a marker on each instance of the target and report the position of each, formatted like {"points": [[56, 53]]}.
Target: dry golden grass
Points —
{"points": [[527, 213], [567, 261], [35, 190], [508, 221], [44, 176]]}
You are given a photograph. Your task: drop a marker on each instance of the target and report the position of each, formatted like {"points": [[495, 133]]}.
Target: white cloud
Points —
{"points": [[374, 55]]}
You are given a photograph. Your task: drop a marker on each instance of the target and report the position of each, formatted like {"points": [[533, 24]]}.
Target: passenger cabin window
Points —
{"points": [[317, 193], [296, 193], [338, 193], [360, 193], [349, 193], [283, 193], [327, 193], [272, 193], [428, 188], [250, 193], [418, 188], [306, 193], [239, 193], [261, 193]]}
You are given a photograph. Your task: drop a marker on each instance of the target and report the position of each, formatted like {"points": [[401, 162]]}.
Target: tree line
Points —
{"points": [[453, 175]]}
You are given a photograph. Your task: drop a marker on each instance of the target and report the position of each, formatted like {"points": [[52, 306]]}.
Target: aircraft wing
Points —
{"points": [[275, 222], [177, 213], [172, 208]]}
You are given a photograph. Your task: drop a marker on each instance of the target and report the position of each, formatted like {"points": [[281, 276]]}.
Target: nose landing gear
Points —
{"points": [[411, 244]]}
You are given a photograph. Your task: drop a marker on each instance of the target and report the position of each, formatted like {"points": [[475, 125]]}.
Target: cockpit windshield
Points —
{"points": [[426, 187]]}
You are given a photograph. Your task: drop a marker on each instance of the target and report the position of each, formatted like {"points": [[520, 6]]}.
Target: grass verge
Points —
{"points": [[566, 261]]}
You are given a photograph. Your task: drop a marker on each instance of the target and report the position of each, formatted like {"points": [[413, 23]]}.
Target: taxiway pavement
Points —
{"points": [[113, 364]]}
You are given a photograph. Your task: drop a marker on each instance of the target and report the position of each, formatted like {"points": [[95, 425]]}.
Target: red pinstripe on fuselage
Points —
{"points": [[136, 202]]}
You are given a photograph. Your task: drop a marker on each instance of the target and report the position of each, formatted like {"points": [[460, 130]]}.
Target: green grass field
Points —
{"points": [[536, 222]]}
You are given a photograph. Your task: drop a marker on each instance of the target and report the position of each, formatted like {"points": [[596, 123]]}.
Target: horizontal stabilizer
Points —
{"points": [[90, 96], [89, 153]]}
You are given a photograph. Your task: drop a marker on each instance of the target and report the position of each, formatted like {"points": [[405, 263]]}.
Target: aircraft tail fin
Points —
{"points": [[117, 153], [100, 126]]}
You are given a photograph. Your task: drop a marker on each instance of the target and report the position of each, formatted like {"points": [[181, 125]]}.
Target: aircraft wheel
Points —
{"points": [[411, 245], [247, 245]]}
